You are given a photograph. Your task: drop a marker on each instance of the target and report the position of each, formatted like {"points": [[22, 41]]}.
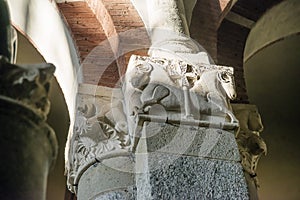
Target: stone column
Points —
{"points": [[28, 145], [182, 130], [100, 165], [167, 22], [8, 35], [169, 132]]}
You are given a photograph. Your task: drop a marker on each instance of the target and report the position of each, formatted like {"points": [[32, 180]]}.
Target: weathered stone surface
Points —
{"points": [[165, 176], [188, 177], [190, 140], [174, 88], [251, 145], [110, 177], [28, 146], [125, 194], [100, 130], [28, 149], [27, 85]]}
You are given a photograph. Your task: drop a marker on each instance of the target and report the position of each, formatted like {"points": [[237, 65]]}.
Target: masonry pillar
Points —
{"points": [[183, 130], [169, 132], [28, 145], [100, 165]]}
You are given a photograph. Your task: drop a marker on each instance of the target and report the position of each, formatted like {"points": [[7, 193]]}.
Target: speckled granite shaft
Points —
{"points": [[189, 140], [180, 162], [188, 177], [184, 177], [188, 162]]}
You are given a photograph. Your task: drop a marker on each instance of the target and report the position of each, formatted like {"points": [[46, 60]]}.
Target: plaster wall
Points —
{"points": [[279, 22], [272, 79]]}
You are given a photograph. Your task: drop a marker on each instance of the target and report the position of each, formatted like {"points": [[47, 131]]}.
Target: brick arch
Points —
{"points": [[116, 29]]}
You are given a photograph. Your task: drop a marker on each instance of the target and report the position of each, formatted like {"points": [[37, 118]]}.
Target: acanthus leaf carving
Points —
{"points": [[100, 129]]}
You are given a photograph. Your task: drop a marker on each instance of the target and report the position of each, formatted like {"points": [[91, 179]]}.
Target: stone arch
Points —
{"points": [[271, 51], [42, 24]]}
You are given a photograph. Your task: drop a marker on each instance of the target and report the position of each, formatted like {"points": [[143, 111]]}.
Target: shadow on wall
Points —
{"points": [[273, 85]]}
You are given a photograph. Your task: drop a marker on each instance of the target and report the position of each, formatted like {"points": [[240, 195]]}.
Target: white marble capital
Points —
{"points": [[173, 90], [100, 131]]}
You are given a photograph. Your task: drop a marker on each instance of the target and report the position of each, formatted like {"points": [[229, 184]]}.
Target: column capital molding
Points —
{"points": [[100, 130], [187, 92], [251, 145], [26, 85]]}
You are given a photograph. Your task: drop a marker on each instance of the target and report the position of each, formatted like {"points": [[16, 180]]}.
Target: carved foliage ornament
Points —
{"points": [[27, 84], [251, 145], [94, 136], [100, 130]]}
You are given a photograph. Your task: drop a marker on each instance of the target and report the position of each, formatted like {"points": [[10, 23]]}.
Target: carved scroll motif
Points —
{"points": [[180, 88], [251, 145], [100, 130]]}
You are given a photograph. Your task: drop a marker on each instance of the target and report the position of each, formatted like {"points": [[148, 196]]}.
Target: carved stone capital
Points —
{"points": [[24, 133], [27, 85], [173, 89], [100, 131], [251, 145]]}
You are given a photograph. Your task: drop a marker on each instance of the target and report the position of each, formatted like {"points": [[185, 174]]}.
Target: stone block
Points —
{"points": [[188, 140], [110, 179], [188, 177]]}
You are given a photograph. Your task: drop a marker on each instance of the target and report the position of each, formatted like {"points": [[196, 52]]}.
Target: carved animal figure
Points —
{"points": [[209, 94], [217, 86], [139, 79], [172, 99]]}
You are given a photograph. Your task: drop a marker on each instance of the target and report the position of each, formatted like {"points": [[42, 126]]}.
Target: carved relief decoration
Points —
{"points": [[180, 88], [27, 85], [100, 130], [251, 145]]}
